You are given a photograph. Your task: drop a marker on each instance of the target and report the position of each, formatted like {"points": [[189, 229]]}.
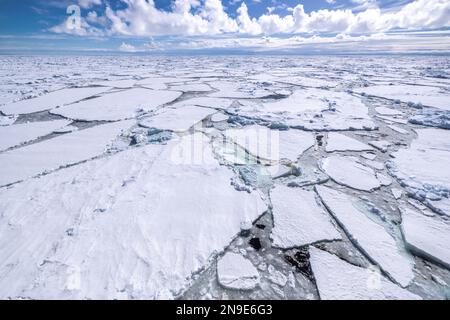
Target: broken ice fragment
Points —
{"points": [[339, 142], [340, 280], [369, 236], [236, 272], [381, 145], [298, 219], [428, 237]]}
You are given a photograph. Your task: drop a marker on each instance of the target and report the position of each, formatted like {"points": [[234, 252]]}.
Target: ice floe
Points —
{"points": [[51, 100], [369, 236], [423, 167], [381, 145], [340, 280], [14, 135], [137, 224], [298, 219], [340, 142], [179, 119], [51, 154], [236, 272], [7, 120], [349, 171], [118, 105], [428, 237]]}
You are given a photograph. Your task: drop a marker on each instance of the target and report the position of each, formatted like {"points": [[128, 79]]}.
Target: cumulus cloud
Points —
{"points": [[140, 18], [86, 4]]}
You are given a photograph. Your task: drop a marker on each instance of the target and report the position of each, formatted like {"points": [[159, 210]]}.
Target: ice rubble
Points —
{"points": [[236, 272], [432, 118], [270, 144], [176, 119], [427, 236], [381, 145], [136, 224], [369, 236], [7, 120], [339, 142], [298, 219], [118, 105], [349, 171], [424, 169], [419, 95], [14, 135], [312, 109], [52, 100], [340, 280], [51, 154], [233, 89]]}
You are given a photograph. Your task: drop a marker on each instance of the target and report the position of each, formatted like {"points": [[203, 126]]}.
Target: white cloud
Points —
{"points": [[125, 47], [86, 4], [141, 18]]}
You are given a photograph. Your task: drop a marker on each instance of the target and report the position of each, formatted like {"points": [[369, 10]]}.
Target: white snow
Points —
{"points": [[15, 135], [398, 129], [215, 103], [120, 84], [51, 100], [29, 161], [369, 236], [233, 89], [118, 105], [388, 111], [192, 87], [298, 219], [271, 144], [7, 120], [428, 237], [348, 171], [179, 119], [340, 142], [219, 117], [397, 193], [425, 95], [135, 225], [339, 280], [236, 272]]}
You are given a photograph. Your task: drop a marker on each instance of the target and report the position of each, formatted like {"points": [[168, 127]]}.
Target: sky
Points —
{"points": [[227, 26]]}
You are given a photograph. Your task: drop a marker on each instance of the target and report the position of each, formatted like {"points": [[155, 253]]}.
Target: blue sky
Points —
{"points": [[286, 26]]}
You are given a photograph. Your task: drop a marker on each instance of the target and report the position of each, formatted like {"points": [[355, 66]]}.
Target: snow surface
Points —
{"points": [[118, 105], [427, 236], [339, 280], [179, 120], [368, 235], [48, 155], [236, 272], [51, 100], [14, 135], [137, 224], [340, 142], [348, 171], [298, 219]]}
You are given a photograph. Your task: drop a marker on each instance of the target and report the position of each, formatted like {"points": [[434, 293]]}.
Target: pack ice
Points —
{"points": [[136, 224]]}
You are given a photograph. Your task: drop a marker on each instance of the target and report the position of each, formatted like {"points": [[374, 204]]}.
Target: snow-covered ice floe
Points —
{"points": [[369, 236], [177, 119], [298, 219], [51, 154], [51, 100], [351, 172], [340, 280], [7, 120], [427, 236], [312, 109], [14, 135], [419, 95], [424, 169], [236, 272], [340, 142], [136, 224], [120, 105]]}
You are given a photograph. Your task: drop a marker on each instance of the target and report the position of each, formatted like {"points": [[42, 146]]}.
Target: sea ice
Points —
{"points": [[120, 84], [369, 236], [118, 105], [348, 171], [298, 219], [381, 145], [236, 272], [339, 142], [48, 155], [339, 280], [388, 111], [178, 119], [7, 120], [194, 87], [427, 236], [15, 135], [134, 225], [51, 100]]}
